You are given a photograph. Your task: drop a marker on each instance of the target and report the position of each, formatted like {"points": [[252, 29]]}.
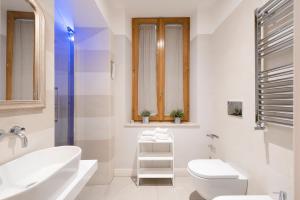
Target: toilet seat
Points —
{"points": [[212, 169], [243, 198]]}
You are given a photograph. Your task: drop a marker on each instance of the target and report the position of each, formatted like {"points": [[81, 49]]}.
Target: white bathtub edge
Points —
{"points": [[87, 169]]}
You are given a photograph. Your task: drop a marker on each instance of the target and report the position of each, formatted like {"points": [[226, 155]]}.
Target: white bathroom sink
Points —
{"points": [[245, 197], [40, 174]]}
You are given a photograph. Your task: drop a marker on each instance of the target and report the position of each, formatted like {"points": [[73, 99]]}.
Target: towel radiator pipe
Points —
{"points": [[274, 85]]}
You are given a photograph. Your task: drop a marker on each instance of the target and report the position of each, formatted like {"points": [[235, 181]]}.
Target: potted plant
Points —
{"points": [[145, 115], [177, 115]]}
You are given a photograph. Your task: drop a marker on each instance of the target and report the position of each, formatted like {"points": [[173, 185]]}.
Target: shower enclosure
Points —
{"points": [[64, 83]]}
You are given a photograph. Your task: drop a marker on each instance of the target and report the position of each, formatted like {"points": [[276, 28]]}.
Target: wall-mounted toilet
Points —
{"points": [[213, 178], [243, 198]]}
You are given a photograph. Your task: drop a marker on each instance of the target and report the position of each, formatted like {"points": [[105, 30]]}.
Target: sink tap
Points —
{"points": [[281, 195], [20, 132], [2, 133], [212, 136]]}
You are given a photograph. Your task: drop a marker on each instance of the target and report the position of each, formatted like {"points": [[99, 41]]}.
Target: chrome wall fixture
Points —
{"points": [[274, 69]]}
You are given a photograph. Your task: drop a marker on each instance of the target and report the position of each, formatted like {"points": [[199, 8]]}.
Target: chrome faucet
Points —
{"points": [[281, 195], [2, 133], [20, 132], [212, 136]]}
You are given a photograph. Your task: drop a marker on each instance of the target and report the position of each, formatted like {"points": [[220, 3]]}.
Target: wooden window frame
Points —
{"points": [[160, 65], [12, 16]]}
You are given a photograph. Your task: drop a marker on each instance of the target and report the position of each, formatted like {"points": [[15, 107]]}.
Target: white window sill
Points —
{"points": [[162, 124]]}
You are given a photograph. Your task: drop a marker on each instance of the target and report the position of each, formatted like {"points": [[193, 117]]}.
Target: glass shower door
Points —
{"points": [[64, 87]]}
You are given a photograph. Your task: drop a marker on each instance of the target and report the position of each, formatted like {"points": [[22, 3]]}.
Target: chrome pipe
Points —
{"points": [[276, 102], [277, 80], [278, 110], [288, 116], [277, 31], [278, 85], [279, 17], [279, 74], [282, 43], [277, 50], [281, 8], [277, 68], [257, 69], [285, 123], [281, 107], [285, 34], [274, 93], [261, 11], [278, 96], [276, 90]]}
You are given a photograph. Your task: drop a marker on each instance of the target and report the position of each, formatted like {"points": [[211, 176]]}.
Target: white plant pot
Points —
{"points": [[177, 120], [145, 120]]}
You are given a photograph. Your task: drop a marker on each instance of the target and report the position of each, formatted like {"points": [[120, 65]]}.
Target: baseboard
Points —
{"points": [[123, 172]]}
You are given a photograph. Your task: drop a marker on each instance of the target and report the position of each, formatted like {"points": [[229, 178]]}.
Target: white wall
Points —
{"points": [[39, 124], [115, 17], [126, 137], [211, 17], [93, 99], [265, 157], [222, 69], [297, 100]]}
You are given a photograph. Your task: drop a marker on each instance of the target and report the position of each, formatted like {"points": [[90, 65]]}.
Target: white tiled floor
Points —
{"points": [[124, 188]]}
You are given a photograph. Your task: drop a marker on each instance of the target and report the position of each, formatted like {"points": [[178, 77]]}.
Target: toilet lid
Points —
{"points": [[212, 168], [243, 198]]}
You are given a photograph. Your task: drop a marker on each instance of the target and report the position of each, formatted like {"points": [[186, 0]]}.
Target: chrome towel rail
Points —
{"points": [[274, 69], [286, 26]]}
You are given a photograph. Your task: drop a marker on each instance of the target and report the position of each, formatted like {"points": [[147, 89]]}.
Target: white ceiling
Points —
{"points": [[18, 5], [162, 8], [80, 13]]}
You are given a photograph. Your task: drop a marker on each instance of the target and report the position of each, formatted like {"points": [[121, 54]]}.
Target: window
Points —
{"points": [[160, 72]]}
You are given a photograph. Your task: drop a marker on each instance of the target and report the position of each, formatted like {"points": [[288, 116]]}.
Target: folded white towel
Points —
{"points": [[161, 130], [147, 138], [161, 136], [148, 133]]}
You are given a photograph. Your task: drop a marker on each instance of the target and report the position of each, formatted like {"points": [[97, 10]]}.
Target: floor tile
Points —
{"points": [[125, 188]]}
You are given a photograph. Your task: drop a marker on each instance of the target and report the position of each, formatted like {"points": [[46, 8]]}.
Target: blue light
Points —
{"points": [[70, 34]]}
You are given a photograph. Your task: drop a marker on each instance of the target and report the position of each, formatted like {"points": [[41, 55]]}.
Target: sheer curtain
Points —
{"points": [[147, 69], [173, 67], [23, 60]]}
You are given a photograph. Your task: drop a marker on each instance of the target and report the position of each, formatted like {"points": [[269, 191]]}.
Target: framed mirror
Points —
{"points": [[22, 65]]}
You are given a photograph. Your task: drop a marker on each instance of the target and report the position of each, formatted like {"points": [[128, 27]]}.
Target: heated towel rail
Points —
{"points": [[274, 70]]}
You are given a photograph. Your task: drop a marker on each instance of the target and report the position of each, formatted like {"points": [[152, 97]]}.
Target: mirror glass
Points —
{"points": [[17, 51]]}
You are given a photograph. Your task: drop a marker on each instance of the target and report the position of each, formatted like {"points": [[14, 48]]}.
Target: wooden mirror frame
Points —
{"points": [[39, 66]]}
